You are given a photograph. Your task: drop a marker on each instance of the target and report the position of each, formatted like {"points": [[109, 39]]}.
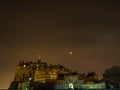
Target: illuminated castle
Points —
{"points": [[31, 75], [38, 72]]}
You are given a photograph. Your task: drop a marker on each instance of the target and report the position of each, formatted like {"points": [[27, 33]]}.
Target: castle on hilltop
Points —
{"points": [[39, 71], [34, 75]]}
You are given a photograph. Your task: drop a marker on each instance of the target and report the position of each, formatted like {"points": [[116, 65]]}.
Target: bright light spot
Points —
{"points": [[71, 86], [24, 65], [30, 78], [70, 53]]}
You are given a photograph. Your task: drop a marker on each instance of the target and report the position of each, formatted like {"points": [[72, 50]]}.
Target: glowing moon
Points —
{"points": [[70, 53]]}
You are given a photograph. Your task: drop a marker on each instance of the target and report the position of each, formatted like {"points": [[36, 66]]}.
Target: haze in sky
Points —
{"points": [[90, 29]]}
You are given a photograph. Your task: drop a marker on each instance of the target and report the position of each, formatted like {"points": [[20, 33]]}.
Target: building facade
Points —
{"points": [[36, 74]]}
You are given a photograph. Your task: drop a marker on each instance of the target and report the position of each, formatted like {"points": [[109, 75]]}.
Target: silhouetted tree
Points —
{"points": [[112, 76]]}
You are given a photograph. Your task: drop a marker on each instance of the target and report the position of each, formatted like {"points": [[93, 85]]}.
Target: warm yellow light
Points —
{"points": [[24, 65], [71, 86]]}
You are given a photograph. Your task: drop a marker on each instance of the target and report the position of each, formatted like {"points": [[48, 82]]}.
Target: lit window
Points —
{"points": [[30, 78], [24, 65]]}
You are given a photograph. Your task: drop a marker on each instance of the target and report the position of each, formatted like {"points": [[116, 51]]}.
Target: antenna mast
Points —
{"points": [[39, 58]]}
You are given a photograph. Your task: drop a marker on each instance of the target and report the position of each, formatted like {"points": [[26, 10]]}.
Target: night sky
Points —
{"points": [[88, 28]]}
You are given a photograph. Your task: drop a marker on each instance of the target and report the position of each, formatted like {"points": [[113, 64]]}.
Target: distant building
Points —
{"points": [[39, 74], [38, 71]]}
